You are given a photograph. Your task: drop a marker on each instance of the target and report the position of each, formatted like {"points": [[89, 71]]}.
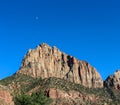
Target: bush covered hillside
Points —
{"points": [[52, 91]]}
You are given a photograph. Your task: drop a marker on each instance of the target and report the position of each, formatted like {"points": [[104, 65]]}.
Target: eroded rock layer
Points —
{"points": [[46, 61]]}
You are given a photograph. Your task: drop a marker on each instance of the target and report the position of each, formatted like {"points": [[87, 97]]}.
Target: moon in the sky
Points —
{"points": [[36, 18]]}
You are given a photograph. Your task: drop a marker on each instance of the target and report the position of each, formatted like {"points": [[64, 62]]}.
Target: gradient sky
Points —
{"points": [[86, 29]]}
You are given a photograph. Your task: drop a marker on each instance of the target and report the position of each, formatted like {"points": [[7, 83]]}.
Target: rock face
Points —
{"points": [[71, 97], [113, 81], [46, 61], [5, 96]]}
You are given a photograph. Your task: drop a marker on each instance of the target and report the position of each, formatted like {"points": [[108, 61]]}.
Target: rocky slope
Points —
{"points": [[64, 92], [46, 61], [5, 96], [113, 81]]}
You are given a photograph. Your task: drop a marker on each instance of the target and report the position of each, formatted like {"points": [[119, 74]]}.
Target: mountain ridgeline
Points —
{"points": [[59, 77], [46, 61]]}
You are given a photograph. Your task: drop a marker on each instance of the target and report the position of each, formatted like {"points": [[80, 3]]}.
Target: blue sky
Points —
{"points": [[86, 29]]}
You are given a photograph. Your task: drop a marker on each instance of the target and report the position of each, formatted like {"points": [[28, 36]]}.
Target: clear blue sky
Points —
{"points": [[86, 29]]}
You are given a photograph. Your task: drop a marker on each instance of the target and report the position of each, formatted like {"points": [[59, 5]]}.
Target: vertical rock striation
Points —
{"points": [[46, 61]]}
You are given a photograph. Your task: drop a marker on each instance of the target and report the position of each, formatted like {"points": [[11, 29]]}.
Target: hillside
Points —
{"points": [[62, 92], [59, 79]]}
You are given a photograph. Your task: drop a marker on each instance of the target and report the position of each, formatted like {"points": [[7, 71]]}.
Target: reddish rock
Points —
{"points": [[113, 81], [5, 96], [72, 95], [46, 61]]}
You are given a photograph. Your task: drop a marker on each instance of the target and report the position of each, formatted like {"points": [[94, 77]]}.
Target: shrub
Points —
{"points": [[35, 99], [23, 99]]}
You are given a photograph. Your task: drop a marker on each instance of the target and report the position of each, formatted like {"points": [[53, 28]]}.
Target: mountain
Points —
{"points": [[113, 81], [46, 61], [48, 76]]}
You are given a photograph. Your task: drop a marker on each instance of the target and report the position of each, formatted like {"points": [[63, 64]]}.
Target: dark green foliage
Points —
{"points": [[23, 100], [39, 99], [35, 99]]}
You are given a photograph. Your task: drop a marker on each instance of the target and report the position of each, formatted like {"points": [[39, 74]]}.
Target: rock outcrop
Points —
{"points": [[113, 81], [5, 96], [61, 97], [46, 61]]}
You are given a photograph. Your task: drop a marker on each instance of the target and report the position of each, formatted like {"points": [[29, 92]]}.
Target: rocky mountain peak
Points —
{"points": [[113, 81], [46, 61]]}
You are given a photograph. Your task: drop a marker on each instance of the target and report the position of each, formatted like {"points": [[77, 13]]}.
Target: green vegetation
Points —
{"points": [[23, 100], [35, 99], [23, 84], [16, 78], [19, 82], [108, 96]]}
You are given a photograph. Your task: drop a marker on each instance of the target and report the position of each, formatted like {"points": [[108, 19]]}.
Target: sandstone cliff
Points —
{"points": [[46, 61], [113, 81]]}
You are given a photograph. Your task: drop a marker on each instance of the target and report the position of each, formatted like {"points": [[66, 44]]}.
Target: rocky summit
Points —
{"points": [[46, 61], [113, 81]]}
